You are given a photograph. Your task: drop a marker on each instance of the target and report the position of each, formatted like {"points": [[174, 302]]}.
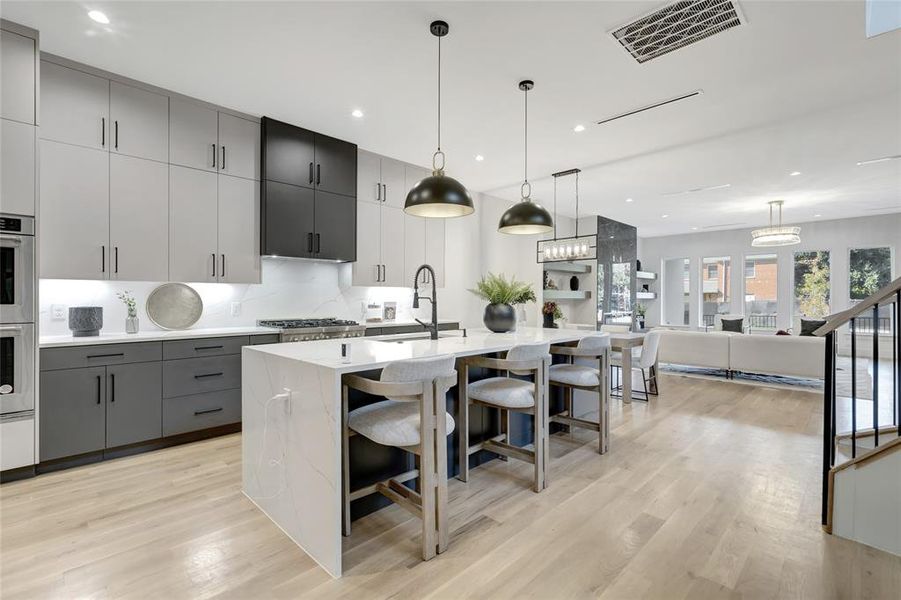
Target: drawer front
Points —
{"points": [[372, 331], [201, 411], [268, 338], [199, 375], [203, 347], [75, 357]]}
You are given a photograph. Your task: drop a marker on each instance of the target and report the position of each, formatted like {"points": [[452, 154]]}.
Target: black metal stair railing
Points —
{"points": [[860, 324]]}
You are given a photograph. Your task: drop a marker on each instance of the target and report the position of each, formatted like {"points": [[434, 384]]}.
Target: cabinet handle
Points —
{"points": [[99, 383], [204, 375], [116, 259], [106, 355], [223, 158], [311, 173], [219, 347], [207, 411], [385, 195], [103, 259], [214, 263], [214, 155], [378, 273], [116, 134], [384, 273], [310, 241], [318, 173], [223, 266], [317, 243], [112, 387], [378, 192], [103, 132]]}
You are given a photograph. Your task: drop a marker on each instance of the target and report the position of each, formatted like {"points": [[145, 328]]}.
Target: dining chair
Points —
{"points": [[644, 359]]}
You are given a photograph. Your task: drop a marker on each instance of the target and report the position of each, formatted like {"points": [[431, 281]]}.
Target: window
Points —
{"points": [[676, 291], [761, 276], [716, 287], [811, 284], [620, 294], [869, 269]]}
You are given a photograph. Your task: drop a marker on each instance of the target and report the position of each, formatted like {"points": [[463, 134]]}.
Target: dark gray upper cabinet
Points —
{"points": [[336, 224], [288, 224], [134, 412], [72, 412], [336, 166], [288, 153]]}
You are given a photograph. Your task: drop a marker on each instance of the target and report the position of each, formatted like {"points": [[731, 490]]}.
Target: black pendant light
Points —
{"points": [[439, 196], [526, 217]]}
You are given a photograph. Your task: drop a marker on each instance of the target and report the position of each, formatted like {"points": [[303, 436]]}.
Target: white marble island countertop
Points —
{"points": [[54, 341], [291, 402]]}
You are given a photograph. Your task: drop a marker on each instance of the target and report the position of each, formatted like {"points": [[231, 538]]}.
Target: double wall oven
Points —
{"points": [[17, 343]]}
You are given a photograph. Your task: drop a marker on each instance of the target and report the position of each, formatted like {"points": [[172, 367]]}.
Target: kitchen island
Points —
{"points": [[291, 412]]}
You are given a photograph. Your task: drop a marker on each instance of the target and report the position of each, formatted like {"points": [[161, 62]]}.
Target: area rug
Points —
{"points": [[807, 384]]}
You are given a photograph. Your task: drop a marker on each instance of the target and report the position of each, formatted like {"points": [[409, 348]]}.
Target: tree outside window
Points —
{"points": [[870, 269], [812, 275]]}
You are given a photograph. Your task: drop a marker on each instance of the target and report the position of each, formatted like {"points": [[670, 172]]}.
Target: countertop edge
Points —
{"points": [[59, 341]]}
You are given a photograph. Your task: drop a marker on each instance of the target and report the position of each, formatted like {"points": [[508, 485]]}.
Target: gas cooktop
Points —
{"points": [[306, 323], [302, 330]]}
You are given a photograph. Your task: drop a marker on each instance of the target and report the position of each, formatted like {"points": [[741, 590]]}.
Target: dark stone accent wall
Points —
{"points": [[617, 243]]}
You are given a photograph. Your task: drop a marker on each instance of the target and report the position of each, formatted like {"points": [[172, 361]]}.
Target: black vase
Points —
{"points": [[549, 322], [574, 283], [499, 318]]}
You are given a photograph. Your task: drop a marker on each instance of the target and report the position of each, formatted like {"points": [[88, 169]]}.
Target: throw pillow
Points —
{"points": [[808, 326], [782, 332], [733, 325]]}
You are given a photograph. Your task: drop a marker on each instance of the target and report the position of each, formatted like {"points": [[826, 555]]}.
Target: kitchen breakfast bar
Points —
{"points": [[292, 424]]}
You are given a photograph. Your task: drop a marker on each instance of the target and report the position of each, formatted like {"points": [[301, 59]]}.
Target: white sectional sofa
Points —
{"points": [[768, 354]]}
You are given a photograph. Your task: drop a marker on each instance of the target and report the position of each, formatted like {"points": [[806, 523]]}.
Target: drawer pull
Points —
{"points": [[207, 411], [209, 347], [208, 375], [106, 355]]}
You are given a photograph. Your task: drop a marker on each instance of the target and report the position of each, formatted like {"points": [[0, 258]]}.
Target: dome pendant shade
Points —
{"points": [[439, 196], [526, 218]]}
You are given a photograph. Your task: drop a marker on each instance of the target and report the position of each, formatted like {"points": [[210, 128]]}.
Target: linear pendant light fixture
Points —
{"points": [[577, 247], [776, 235], [439, 196], [526, 217]]}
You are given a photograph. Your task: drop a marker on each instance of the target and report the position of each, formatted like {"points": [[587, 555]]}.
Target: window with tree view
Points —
{"points": [[870, 269], [811, 281]]}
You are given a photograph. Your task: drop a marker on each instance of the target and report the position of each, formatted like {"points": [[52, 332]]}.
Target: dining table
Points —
{"points": [[624, 342]]}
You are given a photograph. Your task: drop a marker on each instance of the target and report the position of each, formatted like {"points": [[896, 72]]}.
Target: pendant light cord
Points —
{"points": [[439, 94], [577, 205], [525, 167]]}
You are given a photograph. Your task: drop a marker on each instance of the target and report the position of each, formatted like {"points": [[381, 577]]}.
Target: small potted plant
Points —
{"points": [[551, 311], [502, 294], [640, 311], [131, 321]]}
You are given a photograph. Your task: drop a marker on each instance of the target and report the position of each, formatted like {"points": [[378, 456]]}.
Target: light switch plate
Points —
{"points": [[58, 312], [235, 309]]}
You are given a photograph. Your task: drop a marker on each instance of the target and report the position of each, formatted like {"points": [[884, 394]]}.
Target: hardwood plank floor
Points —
{"points": [[710, 491]]}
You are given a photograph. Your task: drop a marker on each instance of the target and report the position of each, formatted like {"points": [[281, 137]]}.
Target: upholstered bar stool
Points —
{"points": [[413, 418], [646, 359], [508, 394], [570, 376]]}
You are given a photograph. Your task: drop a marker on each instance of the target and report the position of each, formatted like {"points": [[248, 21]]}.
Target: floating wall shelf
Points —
{"points": [[645, 275], [567, 295], [645, 295], [567, 267]]}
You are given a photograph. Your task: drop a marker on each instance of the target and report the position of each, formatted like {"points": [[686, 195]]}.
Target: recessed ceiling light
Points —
{"points": [[794, 173], [663, 216], [357, 113], [579, 128], [479, 157], [694, 228], [628, 199], [878, 160], [816, 216], [98, 16]]}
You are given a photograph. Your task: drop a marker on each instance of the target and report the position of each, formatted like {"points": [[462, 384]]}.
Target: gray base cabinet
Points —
{"points": [[72, 412], [133, 408]]}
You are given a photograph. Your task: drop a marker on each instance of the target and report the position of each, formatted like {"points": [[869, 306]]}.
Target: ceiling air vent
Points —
{"points": [[675, 26]]}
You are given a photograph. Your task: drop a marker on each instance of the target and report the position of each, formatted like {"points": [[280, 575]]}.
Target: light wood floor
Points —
{"points": [[711, 491]]}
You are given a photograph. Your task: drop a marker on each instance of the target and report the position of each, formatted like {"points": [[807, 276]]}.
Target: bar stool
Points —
{"points": [[508, 395], [410, 419], [647, 358], [570, 376]]}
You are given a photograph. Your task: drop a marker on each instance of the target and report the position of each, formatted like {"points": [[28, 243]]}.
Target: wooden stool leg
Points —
{"points": [[345, 464], [427, 473], [539, 430], [603, 405], [503, 416], [568, 405], [462, 422], [441, 469]]}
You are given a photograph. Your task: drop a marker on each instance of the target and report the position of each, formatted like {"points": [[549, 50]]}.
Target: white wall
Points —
{"points": [[836, 236]]}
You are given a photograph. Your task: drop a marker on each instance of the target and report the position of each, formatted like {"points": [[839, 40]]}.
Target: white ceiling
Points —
{"points": [[797, 88]]}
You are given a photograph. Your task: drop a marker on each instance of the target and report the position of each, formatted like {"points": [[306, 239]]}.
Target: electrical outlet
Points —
{"points": [[236, 309], [58, 312]]}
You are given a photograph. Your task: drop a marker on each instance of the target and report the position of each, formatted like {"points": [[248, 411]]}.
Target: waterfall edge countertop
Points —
{"points": [[291, 418], [119, 337]]}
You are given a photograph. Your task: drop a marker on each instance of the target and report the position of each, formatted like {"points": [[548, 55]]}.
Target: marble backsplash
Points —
{"points": [[290, 288]]}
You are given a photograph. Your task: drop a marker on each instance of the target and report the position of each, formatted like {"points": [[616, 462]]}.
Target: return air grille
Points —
{"points": [[676, 26]]}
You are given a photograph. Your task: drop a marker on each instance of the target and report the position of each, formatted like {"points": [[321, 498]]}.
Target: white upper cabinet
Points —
{"points": [[17, 167], [392, 250], [74, 107], [367, 270], [369, 178], [435, 240], [17, 77], [394, 189], [193, 135], [74, 207], [414, 248], [193, 225], [239, 147], [140, 122], [138, 219], [239, 230]]}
